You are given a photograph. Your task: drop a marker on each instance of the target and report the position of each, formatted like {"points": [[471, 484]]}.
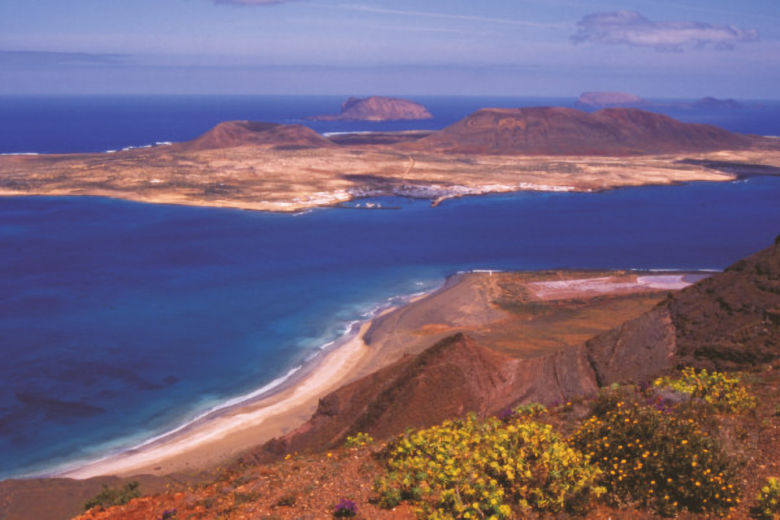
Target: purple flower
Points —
{"points": [[345, 508], [168, 514], [506, 414]]}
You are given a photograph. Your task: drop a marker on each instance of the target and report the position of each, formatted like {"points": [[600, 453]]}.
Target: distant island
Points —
{"points": [[624, 99], [377, 108], [278, 167], [715, 103], [609, 99]]}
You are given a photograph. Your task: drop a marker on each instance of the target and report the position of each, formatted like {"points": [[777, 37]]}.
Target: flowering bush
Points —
{"points": [[657, 459], [358, 440], [724, 393], [345, 509], [768, 501], [484, 469]]}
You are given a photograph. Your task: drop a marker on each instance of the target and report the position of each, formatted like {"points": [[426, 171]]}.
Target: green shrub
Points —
{"points": [[723, 392], [768, 501], [358, 440], [485, 469], [656, 459], [114, 496]]}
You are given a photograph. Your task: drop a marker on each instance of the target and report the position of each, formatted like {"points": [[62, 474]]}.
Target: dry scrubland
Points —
{"points": [[264, 178]]}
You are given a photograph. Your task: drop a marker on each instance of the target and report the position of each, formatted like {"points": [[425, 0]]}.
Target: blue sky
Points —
{"points": [[654, 48]]}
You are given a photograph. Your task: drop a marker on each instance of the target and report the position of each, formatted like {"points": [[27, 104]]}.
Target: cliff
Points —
{"points": [[725, 322], [231, 134], [377, 108], [567, 131]]}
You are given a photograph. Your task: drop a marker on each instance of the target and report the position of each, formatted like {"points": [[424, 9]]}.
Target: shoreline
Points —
{"points": [[241, 422], [287, 402], [337, 199], [284, 181]]}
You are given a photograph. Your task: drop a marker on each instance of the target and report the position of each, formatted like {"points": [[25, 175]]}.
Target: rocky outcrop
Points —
{"points": [[567, 131], [377, 108], [636, 351], [609, 99], [254, 133]]}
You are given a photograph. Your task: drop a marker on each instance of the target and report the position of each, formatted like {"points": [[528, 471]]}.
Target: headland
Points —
{"points": [[523, 315]]}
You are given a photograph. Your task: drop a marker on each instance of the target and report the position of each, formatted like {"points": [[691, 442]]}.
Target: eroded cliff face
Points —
{"points": [[453, 377], [636, 351]]}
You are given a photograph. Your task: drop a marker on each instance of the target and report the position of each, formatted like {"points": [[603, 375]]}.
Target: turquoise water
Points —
{"points": [[122, 320]]}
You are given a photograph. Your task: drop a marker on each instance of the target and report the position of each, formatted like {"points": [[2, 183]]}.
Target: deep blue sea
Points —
{"points": [[121, 320]]}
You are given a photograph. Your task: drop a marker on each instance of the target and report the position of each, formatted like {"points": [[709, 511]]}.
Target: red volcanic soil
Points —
{"points": [[241, 133], [378, 108], [567, 131]]}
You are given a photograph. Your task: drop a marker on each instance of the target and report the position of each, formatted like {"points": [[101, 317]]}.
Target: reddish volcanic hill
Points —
{"points": [[378, 108], [567, 131], [241, 133]]}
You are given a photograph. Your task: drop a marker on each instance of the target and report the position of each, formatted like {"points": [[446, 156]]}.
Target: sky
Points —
{"points": [[652, 48]]}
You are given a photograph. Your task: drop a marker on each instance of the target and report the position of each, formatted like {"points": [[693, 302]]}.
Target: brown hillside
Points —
{"points": [[241, 133], [567, 131], [731, 320], [728, 321]]}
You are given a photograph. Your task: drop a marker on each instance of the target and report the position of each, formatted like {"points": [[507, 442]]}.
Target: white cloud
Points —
{"points": [[631, 28]]}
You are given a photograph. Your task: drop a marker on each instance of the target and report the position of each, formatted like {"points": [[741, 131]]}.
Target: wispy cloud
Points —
{"points": [[631, 28], [448, 16], [51, 58], [251, 2]]}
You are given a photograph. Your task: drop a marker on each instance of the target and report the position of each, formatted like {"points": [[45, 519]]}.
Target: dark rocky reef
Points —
{"points": [[567, 131], [377, 108], [710, 103]]}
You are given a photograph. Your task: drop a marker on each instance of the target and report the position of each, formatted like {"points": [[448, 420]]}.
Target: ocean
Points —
{"points": [[120, 320]]}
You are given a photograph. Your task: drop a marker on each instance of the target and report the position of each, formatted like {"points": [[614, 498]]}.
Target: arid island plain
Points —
{"points": [[287, 168]]}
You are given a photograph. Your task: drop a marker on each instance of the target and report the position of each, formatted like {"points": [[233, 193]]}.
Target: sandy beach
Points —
{"points": [[217, 437]]}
